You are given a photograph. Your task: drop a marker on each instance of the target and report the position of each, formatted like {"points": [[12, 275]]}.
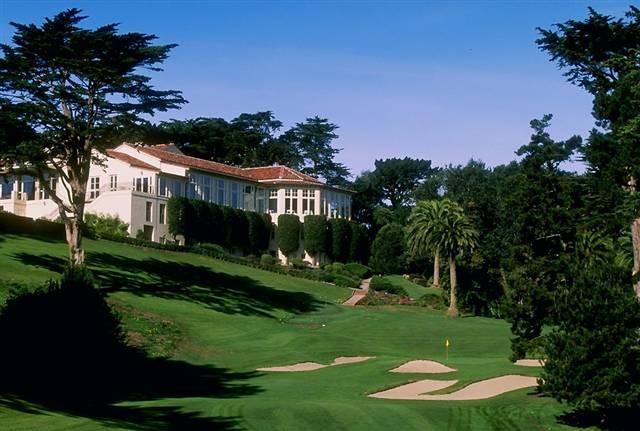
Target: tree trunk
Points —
{"points": [[453, 301], [73, 230], [635, 236], [436, 270]]}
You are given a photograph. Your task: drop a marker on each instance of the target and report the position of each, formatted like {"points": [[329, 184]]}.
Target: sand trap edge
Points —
{"points": [[422, 366]]}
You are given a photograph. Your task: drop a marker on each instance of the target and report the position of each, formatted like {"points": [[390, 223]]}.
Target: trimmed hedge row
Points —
{"points": [[202, 222], [288, 233], [11, 223]]}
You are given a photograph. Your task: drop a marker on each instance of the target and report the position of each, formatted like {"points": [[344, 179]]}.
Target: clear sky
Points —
{"points": [[445, 81]]}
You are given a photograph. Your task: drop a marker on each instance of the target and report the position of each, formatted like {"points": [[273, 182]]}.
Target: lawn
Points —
{"points": [[227, 320]]}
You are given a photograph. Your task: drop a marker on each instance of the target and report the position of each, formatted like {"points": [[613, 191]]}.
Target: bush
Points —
{"points": [[358, 270], [101, 225], [61, 337], [593, 355], [298, 263], [381, 284], [383, 298], [429, 300], [178, 215], [11, 223], [259, 232], [288, 233], [240, 231], [359, 246], [200, 230], [268, 260], [387, 251], [340, 239], [315, 234]]}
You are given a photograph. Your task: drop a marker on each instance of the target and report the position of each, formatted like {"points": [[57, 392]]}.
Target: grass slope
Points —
{"points": [[215, 314]]}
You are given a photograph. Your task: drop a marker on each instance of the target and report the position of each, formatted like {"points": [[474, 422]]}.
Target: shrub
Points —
{"points": [[358, 270], [288, 233], [593, 355], [381, 284], [228, 217], [99, 225], [140, 235], [216, 227], [268, 260], [258, 232], [383, 298], [359, 246], [240, 231], [315, 234], [11, 223], [298, 263], [340, 239], [178, 217], [429, 300], [387, 251], [61, 337], [201, 222]]}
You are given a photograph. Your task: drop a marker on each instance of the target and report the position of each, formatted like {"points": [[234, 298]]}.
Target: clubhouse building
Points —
{"points": [[134, 182]]}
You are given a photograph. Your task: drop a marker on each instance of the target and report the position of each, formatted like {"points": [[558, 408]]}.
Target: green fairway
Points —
{"points": [[207, 312]]}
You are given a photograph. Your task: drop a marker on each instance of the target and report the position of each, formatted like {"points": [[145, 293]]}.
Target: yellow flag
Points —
{"points": [[446, 343]]}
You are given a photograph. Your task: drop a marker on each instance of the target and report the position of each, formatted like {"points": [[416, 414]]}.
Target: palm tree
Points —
{"points": [[421, 240], [442, 227]]}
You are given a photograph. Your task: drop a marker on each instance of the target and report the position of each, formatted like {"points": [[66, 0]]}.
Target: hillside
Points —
{"points": [[228, 320]]}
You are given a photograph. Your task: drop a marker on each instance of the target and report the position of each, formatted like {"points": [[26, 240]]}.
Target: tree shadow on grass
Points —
{"points": [[96, 393], [230, 294], [613, 420]]}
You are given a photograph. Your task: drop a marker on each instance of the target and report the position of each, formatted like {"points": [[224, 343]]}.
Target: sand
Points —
{"points": [[412, 390], [530, 362], [311, 366], [423, 366], [476, 391], [341, 360]]}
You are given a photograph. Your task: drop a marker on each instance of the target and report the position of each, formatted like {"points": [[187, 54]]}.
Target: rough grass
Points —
{"points": [[238, 319]]}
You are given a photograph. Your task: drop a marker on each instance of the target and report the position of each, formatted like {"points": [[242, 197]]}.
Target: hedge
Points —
{"points": [[383, 285], [315, 234], [340, 239], [202, 222], [387, 251], [11, 223], [359, 247], [288, 233]]}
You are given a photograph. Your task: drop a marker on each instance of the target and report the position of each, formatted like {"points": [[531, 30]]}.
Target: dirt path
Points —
{"points": [[358, 294]]}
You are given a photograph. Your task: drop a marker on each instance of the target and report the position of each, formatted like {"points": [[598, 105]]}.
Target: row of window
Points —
{"points": [[162, 213], [25, 187]]}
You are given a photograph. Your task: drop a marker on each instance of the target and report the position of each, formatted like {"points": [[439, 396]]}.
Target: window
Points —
{"points": [[162, 186], [235, 189], [177, 189], [308, 201], [220, 192], [162, 213], [273, 201], [143, 185], [94, 187], [113, 182], [149, 210], [206, 193], [291, 201], [6, 187]]}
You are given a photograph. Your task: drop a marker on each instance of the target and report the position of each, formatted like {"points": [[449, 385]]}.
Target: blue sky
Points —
{"points": [[445, 81]]}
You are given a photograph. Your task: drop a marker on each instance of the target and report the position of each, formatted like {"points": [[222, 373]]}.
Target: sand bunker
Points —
{"points": [[475, 391], [530, 362], [413, 390], [341, 360], [423, 366], [302, 366], [310, 366]]}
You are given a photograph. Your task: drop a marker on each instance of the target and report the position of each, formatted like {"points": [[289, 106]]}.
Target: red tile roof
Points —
{"points": [[132, 161], [280, 174], [165, 155], [263, 174]]}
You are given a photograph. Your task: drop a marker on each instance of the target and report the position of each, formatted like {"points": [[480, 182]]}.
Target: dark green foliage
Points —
{"points": [[216, 231], [105, 225], [431, 301], [340, 239], [593, 354], [259, 231], [316, 232], [381, 284], [240, 231], [298, 263], [199, 226], [11, 223], [268, 260], [288, 233], [358, 270], [178, 216], [359, 245], [58, 336], [229, 221], [388, 250]]}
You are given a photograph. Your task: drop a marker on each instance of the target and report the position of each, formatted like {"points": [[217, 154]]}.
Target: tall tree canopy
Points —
{"points": [[69, 94], [601, 54]]}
